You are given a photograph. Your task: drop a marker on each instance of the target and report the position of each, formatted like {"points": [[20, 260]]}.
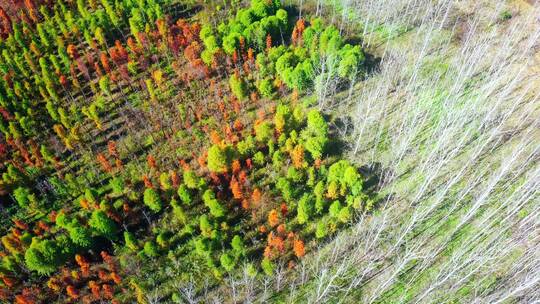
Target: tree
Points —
{"points": [[238, 86], [210, 201], [247, 146], [205, 226], [297, 156], [190, 179], [266, 88], [152, 200], [117, 185], [43, 256], [218, 159], [264, 131], [23, 196], [105, 85], [238, 246], [79, 235], [335, 209], [315, 134], [351, 60], [43, 35], [298, 248], [165, 181], [130, 240], [305, 208], [231, 42], [321, 230], [344, 214], [286, 189], [273, 218], [236, 189], [150, 249], [103, 225], [184, 195], [267, 266], [227, 262]]}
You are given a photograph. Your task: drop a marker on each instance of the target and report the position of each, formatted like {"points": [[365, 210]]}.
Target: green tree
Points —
{"points": [[43, 35], [227, 262], [315, 134], [150, 249], [322, 230], [335, 208], [136, 22], [131, 241], [117, 185], [231, 42], [103, 225], [90, 195], [246, 146], [267, 266], [205, 226], [210, 201], [105, 85], [184, 195], [264, 131], [266, 88], [238, 246], [286, 188], [305, 209], [22, 196], [165, 181], [351, 60], [218, 159], [190, 179], [152, 200], [238, 87], [344, 214], [79, 235], [43, 256]]}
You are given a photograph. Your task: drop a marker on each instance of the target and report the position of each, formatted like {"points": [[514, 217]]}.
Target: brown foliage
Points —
{"points": [[111, 146], [108, 291], [273, 218], [268, 42], [256, 196], [236, 166], [147, 182], [298, 248], [284, 209], [72, 292], [20, 224], [236, 189], [151, 161], [297, 156], [104, 163]]}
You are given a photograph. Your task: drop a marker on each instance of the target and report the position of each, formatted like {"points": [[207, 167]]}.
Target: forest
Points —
{"points": [[265, 151]]}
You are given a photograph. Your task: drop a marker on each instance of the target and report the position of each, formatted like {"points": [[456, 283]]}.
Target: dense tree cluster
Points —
{"points": [[129, 138]]}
